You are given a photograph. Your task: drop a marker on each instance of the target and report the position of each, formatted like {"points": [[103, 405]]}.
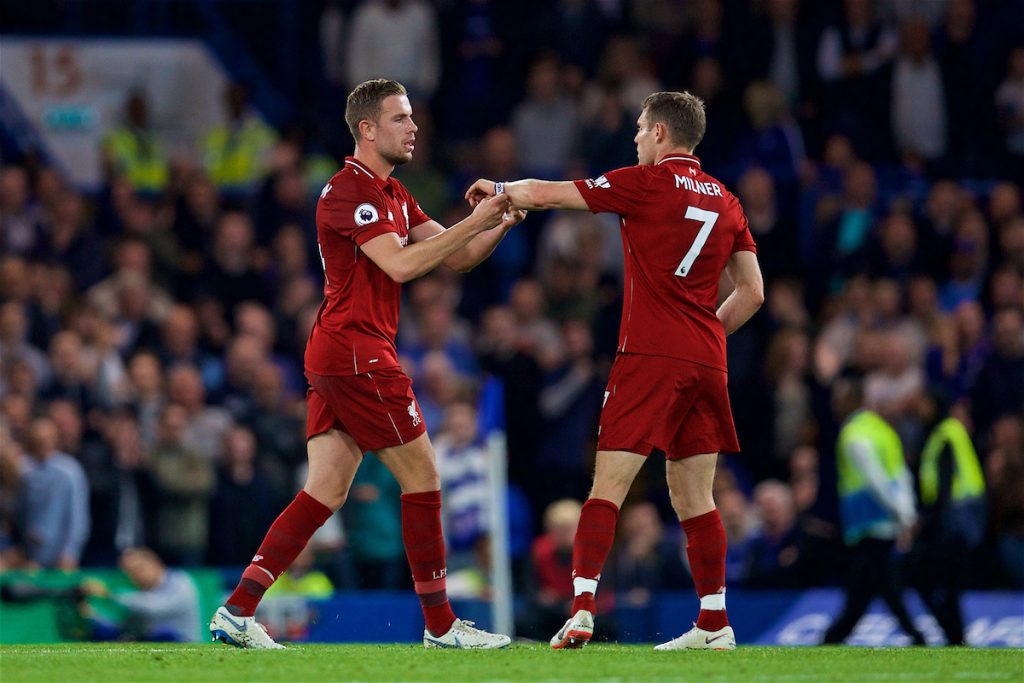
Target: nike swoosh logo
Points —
{"points": [[243, 627], [708, 641], [443, 644]]}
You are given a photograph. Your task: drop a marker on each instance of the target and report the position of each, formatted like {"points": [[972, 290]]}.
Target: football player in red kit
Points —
{"points": [[373, 236], [681, 228]]}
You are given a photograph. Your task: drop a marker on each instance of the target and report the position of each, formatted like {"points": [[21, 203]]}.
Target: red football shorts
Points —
{"points": [[674, 405], [377, 409]]}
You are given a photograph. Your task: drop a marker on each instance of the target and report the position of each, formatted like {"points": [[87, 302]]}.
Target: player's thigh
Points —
{"points": [[703, 424], [413, 464], [614, 473], [333, 458], [636, 402], [690, 481]]}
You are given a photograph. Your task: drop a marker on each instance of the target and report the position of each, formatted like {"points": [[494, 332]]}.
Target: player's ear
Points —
{"points": [[367, 130], [660, 132]]}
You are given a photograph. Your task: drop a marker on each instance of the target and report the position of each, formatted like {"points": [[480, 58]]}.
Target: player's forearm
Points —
{"points": [[526, 194], [420, 258], [477, 250], [739, 307]]}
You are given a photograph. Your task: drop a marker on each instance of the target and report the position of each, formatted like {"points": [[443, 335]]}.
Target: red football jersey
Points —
{"points": [[356, 325], [679, 227]]}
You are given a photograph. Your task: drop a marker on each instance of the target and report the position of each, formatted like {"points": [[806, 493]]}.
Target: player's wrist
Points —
{"points": [[499, 187]]}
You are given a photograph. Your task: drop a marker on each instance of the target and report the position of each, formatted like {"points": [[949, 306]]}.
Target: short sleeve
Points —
{"points": [[744, 240], [621, 191], [356, 211]]}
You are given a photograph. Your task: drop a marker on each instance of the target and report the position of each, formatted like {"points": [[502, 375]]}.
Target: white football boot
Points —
{"points": [[699, 639], [576, 632], [463, 636], [241, 632]]}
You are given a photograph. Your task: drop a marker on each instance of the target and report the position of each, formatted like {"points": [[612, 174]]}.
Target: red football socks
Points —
{"points": [[287, 537], [705, 548], [424, 546], [594, 536]]}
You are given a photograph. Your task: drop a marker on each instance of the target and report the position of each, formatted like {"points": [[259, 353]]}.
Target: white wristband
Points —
{"points": [[498, 188]]}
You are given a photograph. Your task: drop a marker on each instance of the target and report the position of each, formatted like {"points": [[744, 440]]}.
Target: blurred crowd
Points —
{"points": [[151, 335]]}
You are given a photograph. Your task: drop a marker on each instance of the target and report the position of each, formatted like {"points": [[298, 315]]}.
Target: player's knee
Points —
{"points": [[332, 494]]}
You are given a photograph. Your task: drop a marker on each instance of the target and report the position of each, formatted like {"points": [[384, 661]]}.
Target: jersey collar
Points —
{"points": [[360, 167], [685, 158]]}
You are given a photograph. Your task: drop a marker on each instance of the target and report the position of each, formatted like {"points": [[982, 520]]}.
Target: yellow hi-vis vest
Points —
{"points": [[237, 157], [139, 158], [861, 514], [968, 481]]}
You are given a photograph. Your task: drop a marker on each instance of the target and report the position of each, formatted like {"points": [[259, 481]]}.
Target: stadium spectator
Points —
{"points": [[918, 98], [374, 519], [968, 261], [230, 275], [606, 135], [569, 402], [53, 502], [21, 229], [504, 355], [195, 217], [786, 368], [647, 560], [894, 254], [1004, 472], [852, 56], [999, 389], [462, 464], [776, 42], [70, 241], [773, 141], [1010, 103], [120, 501], [739, 522], [145, 393], [184, 480], [207, 424], [537, 332], [15, 344], [277, 424], [438, 331], [179, 345], [13, 464], [398, 38], [240, 480], [545, 122], [164, 607], [772, 225], [552, 569], [773, 551]]}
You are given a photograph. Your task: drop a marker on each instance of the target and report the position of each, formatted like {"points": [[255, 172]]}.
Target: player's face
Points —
{"points": [[644, 140], [396, 131]]}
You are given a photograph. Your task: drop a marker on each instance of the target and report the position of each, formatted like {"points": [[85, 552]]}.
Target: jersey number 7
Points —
{"points": [[708, 218]]}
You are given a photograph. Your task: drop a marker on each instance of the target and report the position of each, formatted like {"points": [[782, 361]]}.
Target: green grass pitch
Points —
{"points": [[534, 663]]}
